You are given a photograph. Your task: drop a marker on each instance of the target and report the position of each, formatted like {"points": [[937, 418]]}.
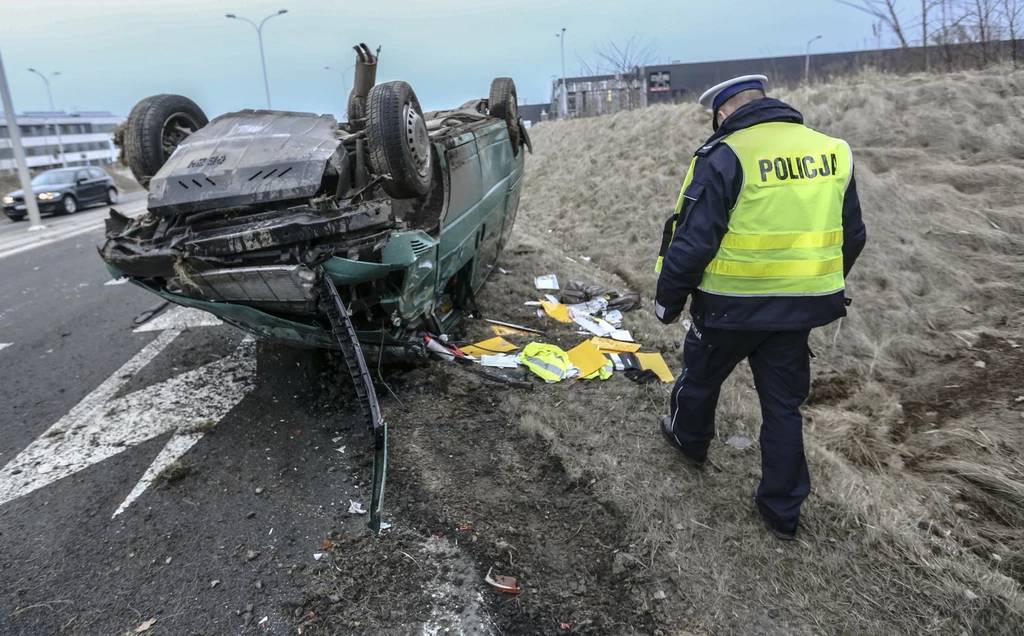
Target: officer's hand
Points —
{"points": [[666, 316]]}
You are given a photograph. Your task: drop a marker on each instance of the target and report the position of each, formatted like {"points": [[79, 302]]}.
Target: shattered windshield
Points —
{"points": [[53, 178]]}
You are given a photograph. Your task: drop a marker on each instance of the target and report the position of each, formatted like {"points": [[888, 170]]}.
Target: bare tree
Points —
{"points": [[885, 11], [981, 21], [1012, 15], [623, 58]]}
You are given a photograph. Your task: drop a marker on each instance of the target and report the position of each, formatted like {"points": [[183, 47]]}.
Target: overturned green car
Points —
{"points": [[299, 228]]}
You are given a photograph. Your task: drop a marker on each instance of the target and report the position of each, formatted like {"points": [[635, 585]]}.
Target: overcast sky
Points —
{"points": [[111, 53]]}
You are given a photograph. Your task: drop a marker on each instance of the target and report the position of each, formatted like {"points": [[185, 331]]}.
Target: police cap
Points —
{"points": [[715, 96]]}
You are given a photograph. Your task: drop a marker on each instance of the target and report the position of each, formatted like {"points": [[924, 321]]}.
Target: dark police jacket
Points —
{"points": [[704, 222]]}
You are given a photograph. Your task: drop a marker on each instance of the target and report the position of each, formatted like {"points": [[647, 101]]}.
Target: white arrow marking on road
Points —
{"points": [[98, 427], [4, 345]]}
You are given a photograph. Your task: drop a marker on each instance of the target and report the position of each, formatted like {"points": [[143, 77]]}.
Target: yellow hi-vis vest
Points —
{"points": [[785, 234]]}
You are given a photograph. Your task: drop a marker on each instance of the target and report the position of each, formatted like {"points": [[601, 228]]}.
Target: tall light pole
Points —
{"points": [[259, 35], [344, 77], [56, 126], [31, 205], [564, 107], [807, 59]]}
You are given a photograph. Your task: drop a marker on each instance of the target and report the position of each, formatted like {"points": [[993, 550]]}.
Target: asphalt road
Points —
{"points": [[92, 410]]}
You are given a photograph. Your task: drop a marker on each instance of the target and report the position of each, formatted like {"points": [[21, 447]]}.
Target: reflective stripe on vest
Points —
{"points": [[675, 215], [785, 234]]}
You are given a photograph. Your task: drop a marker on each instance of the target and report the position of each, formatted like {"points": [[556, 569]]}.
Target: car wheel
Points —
{"points": [[399, 145], [155, 127], [503, 104], [69, 204], [112, 196]]}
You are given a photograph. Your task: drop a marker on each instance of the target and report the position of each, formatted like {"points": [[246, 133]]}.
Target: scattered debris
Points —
{"points": [[174, 471], [263, 620], [1019, 399], [510, 329], [148, 315], [251, 515], [355, 508], [740, 442], [654, 362], [660, 595], [580, 292], [337, 439], [328, 544], [500, 361], [971, 596], [504, 271], [588, 359], [547, 282], [341, 449], [506, 584], [487, 347], [252, 555], [214, 583], [259, 491], [980, 364], [564, 627], [317, 556], [557, 311], [145, 626], [607, 345]]}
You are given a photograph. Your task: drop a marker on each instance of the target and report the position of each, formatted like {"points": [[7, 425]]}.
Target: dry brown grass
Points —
{"points": [[916, 521]]}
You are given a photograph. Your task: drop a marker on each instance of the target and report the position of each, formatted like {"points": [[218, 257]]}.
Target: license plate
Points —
{"points": [[19, 207]]}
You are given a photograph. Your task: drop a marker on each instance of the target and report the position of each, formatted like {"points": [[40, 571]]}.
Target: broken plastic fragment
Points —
{"points": [[341, 449], [145, 626], [506, 584], [318, 555], [384, 526], [740, 442], [264, 620], [550, 281], [355, 508]]}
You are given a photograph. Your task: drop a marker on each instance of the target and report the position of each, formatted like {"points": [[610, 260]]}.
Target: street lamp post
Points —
{"points": [[565, 96], [259, 35], [56, 126], [807, 59], [31, 205]]}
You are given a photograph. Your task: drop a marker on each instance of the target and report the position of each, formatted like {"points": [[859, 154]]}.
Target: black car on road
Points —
{"points": [[64, 191]]}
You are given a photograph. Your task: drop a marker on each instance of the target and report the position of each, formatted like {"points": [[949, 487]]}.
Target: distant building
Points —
{"points": [[598, 94], [87, 137]]}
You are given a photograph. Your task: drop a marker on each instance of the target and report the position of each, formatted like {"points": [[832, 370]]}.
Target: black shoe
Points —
{"points": [[666, 432], [778, 532]]}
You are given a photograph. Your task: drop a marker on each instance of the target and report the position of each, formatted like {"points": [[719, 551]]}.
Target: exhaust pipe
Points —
{"points": [[365, 78]]}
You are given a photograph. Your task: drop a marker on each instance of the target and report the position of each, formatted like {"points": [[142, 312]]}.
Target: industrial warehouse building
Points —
{"points": [[87, 139]]}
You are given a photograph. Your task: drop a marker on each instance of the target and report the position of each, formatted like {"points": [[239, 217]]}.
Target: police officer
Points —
{"points": [[766, 229]]}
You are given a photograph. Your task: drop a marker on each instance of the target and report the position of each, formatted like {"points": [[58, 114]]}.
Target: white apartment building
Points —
{"points": [[87, 138]]}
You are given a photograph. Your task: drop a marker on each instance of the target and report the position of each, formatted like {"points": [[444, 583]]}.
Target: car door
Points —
{"points": [[102, 183], [85, 186]]}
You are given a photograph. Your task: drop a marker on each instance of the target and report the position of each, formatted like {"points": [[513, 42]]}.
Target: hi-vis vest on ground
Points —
{"points": [[785, 235]]}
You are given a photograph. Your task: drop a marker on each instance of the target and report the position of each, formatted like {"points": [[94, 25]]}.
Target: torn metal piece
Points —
{"points": [[345, 333]]}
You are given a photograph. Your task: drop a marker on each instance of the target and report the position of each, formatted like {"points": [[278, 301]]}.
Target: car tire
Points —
{"points": [[68, 204], [399, 146], [112, 196], [503, 104], [154, 129]]}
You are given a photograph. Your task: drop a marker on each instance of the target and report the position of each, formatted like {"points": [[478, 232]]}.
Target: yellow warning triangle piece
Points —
{"points": [[608, 345], [587, 358], [654, 362], [558, 311], [489, 347]]}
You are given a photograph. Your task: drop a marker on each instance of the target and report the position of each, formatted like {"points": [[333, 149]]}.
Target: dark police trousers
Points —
{"points": [[780, 361]]}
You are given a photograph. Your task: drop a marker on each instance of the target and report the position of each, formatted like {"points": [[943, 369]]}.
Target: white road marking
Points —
{"points": [[116, 281], [15, 243], [180, 318], [4, 345], [98, 427]]}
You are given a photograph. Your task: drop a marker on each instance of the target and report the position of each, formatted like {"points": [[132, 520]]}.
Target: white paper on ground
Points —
{"points": [[500, 361], [590, 325], [547, 282], [614, 317], [621, 335], [551, 299], [355, 508]]}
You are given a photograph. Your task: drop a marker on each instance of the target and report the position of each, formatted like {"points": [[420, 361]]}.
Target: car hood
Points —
{"points": [[37, 189]]}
